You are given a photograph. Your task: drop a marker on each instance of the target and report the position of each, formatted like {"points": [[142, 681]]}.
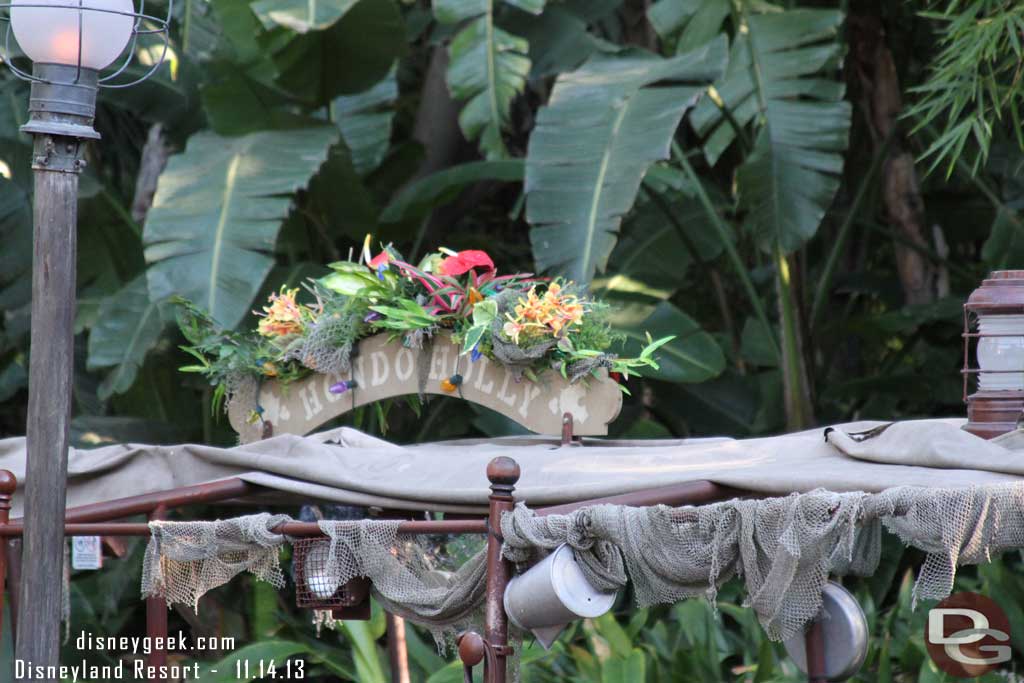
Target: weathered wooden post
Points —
{"points": [[8, 484], [61, 109], [503, 473], [68, 48], [815, 648], [156, 616]]}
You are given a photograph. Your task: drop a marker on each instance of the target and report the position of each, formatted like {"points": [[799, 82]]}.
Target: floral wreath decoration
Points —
{"points": [[528, 324]]}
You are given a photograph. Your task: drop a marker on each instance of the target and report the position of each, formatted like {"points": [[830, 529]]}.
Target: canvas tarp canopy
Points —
{"points": [[347, 466]]}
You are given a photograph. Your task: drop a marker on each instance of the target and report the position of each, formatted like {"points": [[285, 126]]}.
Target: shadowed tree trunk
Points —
{"points": [[437, 119], [636, 28], [872, 64], [154, 159], [437, 129]]}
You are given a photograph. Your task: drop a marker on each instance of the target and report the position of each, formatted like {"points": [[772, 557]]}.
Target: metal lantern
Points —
{"points": [[552, 593], [315, 589], [994, 320], [72, 45]]}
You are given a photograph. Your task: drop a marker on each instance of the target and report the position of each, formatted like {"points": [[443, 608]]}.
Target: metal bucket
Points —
{"points": [[552, 593]]}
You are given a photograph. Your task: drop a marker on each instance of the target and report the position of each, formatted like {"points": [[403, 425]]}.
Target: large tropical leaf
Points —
{"points": [[127, 327], [347, 57], [200, 30], [729, 404], [15, 146], [488, 67], [13, 376], [241, 32], [237, 103], [15, 285], [16, 249], [688, 24], [658, 251], [781, 78], [437, 189], [693, 356], [301, 16], [601, 130], [340, 199], [90, 431], [625, 669], [217, 212], [365, 122], [559, 39], [369, 667]]}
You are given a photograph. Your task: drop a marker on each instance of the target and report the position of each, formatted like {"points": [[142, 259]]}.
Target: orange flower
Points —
{"points": [[552, 314], [283, 316]]}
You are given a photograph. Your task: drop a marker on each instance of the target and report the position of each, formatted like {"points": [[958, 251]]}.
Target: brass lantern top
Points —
{"points": [[1001, 292]]}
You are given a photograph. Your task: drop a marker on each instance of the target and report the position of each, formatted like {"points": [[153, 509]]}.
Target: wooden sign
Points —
{"points": [[384, 369]]}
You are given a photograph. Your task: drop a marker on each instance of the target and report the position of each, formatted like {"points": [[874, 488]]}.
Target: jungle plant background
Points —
{"points": [[803, 192]]}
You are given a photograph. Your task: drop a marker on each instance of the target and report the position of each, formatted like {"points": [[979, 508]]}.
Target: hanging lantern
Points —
{"points": [[994, 319], [316, 589]]}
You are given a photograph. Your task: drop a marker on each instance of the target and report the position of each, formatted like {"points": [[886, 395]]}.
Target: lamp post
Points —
{"points": [[69, 42]]}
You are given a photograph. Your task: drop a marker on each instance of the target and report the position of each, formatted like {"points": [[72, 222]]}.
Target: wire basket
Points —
{"points": [[314, 588]]}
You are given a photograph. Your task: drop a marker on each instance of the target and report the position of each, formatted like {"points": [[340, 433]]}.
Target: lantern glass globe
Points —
{"points": [[1003, 352], [50, 34], [317, 576]]}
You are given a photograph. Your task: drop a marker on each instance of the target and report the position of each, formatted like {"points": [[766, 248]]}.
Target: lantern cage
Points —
{"points": [[314, 588], [994, 326], [143, 24], [73, 45]]}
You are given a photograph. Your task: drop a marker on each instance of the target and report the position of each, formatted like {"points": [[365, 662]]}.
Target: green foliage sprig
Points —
{"points": [[974, 81]]}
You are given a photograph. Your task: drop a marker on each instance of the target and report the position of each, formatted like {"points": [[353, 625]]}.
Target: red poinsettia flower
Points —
{"points": [[465, 261]]}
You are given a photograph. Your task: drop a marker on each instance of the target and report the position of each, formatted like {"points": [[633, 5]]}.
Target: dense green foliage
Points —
{"points": [[737, 173], [740, 211]]}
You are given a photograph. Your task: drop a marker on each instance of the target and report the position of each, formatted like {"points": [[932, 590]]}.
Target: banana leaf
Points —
{"points": [[217, 213], [781, 79], [129, 324], [488, 68], [602, 129]]}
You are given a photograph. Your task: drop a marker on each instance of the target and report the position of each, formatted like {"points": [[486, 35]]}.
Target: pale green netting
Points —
{"points": [[435, 582], [185, 560], [410, 576], [783, 549], [329, 345]]}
